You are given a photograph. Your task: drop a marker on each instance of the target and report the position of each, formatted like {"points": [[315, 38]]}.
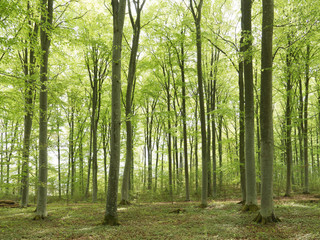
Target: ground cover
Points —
{"points": [[222, 219]]}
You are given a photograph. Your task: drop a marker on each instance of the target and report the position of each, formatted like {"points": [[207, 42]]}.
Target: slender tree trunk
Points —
{"points": [[59, 158], [266, 213], [196, 12], [46, 23], [305, 129], [251, 192], [196, 145], [288, 125], [184, 121], [29, 94], [220, 151], [129, 98], [111, 217], [242, 129]]}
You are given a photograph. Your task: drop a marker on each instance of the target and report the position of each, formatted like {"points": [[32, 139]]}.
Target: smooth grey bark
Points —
{"points": [[45, 39], [119, 10], [305, 127], [136, 27], [29, 71], [196, 13], [266, 213], [242, 128], [251, 192], [184, 119], [59, 157], [213, 127], [288, 121]]}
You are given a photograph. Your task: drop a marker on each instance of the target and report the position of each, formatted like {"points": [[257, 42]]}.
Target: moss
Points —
{"points": [[124, 203], [250, 208], [264, 220], [39, 217], [111, 220]]}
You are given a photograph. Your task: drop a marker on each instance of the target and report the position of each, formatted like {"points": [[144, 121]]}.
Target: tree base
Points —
{"points": [[306, 192], [39, 217], [203, 205], [124, 203], [265, 220], [287, 195], [111, 221], [243, 202], [250, 208]]}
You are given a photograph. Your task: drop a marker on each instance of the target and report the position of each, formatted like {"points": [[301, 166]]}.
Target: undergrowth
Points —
{"points": [[164, 220]]}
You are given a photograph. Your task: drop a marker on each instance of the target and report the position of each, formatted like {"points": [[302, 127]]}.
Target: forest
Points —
{"points": [[169, 112]]}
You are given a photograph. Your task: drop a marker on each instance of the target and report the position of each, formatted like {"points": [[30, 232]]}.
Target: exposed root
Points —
{"points": [[266, 220], [111, 221], [243, 202], [306, 192], [179, 210], [250, 208], [124, 203]]}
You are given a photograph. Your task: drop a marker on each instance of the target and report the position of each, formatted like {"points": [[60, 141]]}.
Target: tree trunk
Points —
{"points": [[266, 213], [196, 12], [111, 217], [59, 158], [305, 127], [251, 192], [29, 95], [288, 124], [242, 129], [129, 98], [45, 28]]}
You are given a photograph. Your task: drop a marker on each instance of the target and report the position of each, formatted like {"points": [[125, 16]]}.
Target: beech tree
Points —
{"points": [[266, 213], [251, 195], [118, 9], [45, 39], [196, 13]]}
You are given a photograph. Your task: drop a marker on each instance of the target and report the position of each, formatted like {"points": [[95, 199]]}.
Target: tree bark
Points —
{"points": [[196, 12], [111, 217], [29, 95], [251, 192], [305, 127], [288, 123], [266, 213], [45, 29]]}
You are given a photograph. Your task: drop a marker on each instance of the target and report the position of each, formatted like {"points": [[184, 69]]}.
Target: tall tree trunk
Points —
{"points": [[251, 192], [136, 26], [196, 12], [59, 158], [119, 10], [184, 120], [213, 123], [45, 28], [29, 94], [242, 128], [305, 127], [266, 213], [288, 123]]}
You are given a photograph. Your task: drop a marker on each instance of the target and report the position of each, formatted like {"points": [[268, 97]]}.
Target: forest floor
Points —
{"points": [[300, 219]]}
